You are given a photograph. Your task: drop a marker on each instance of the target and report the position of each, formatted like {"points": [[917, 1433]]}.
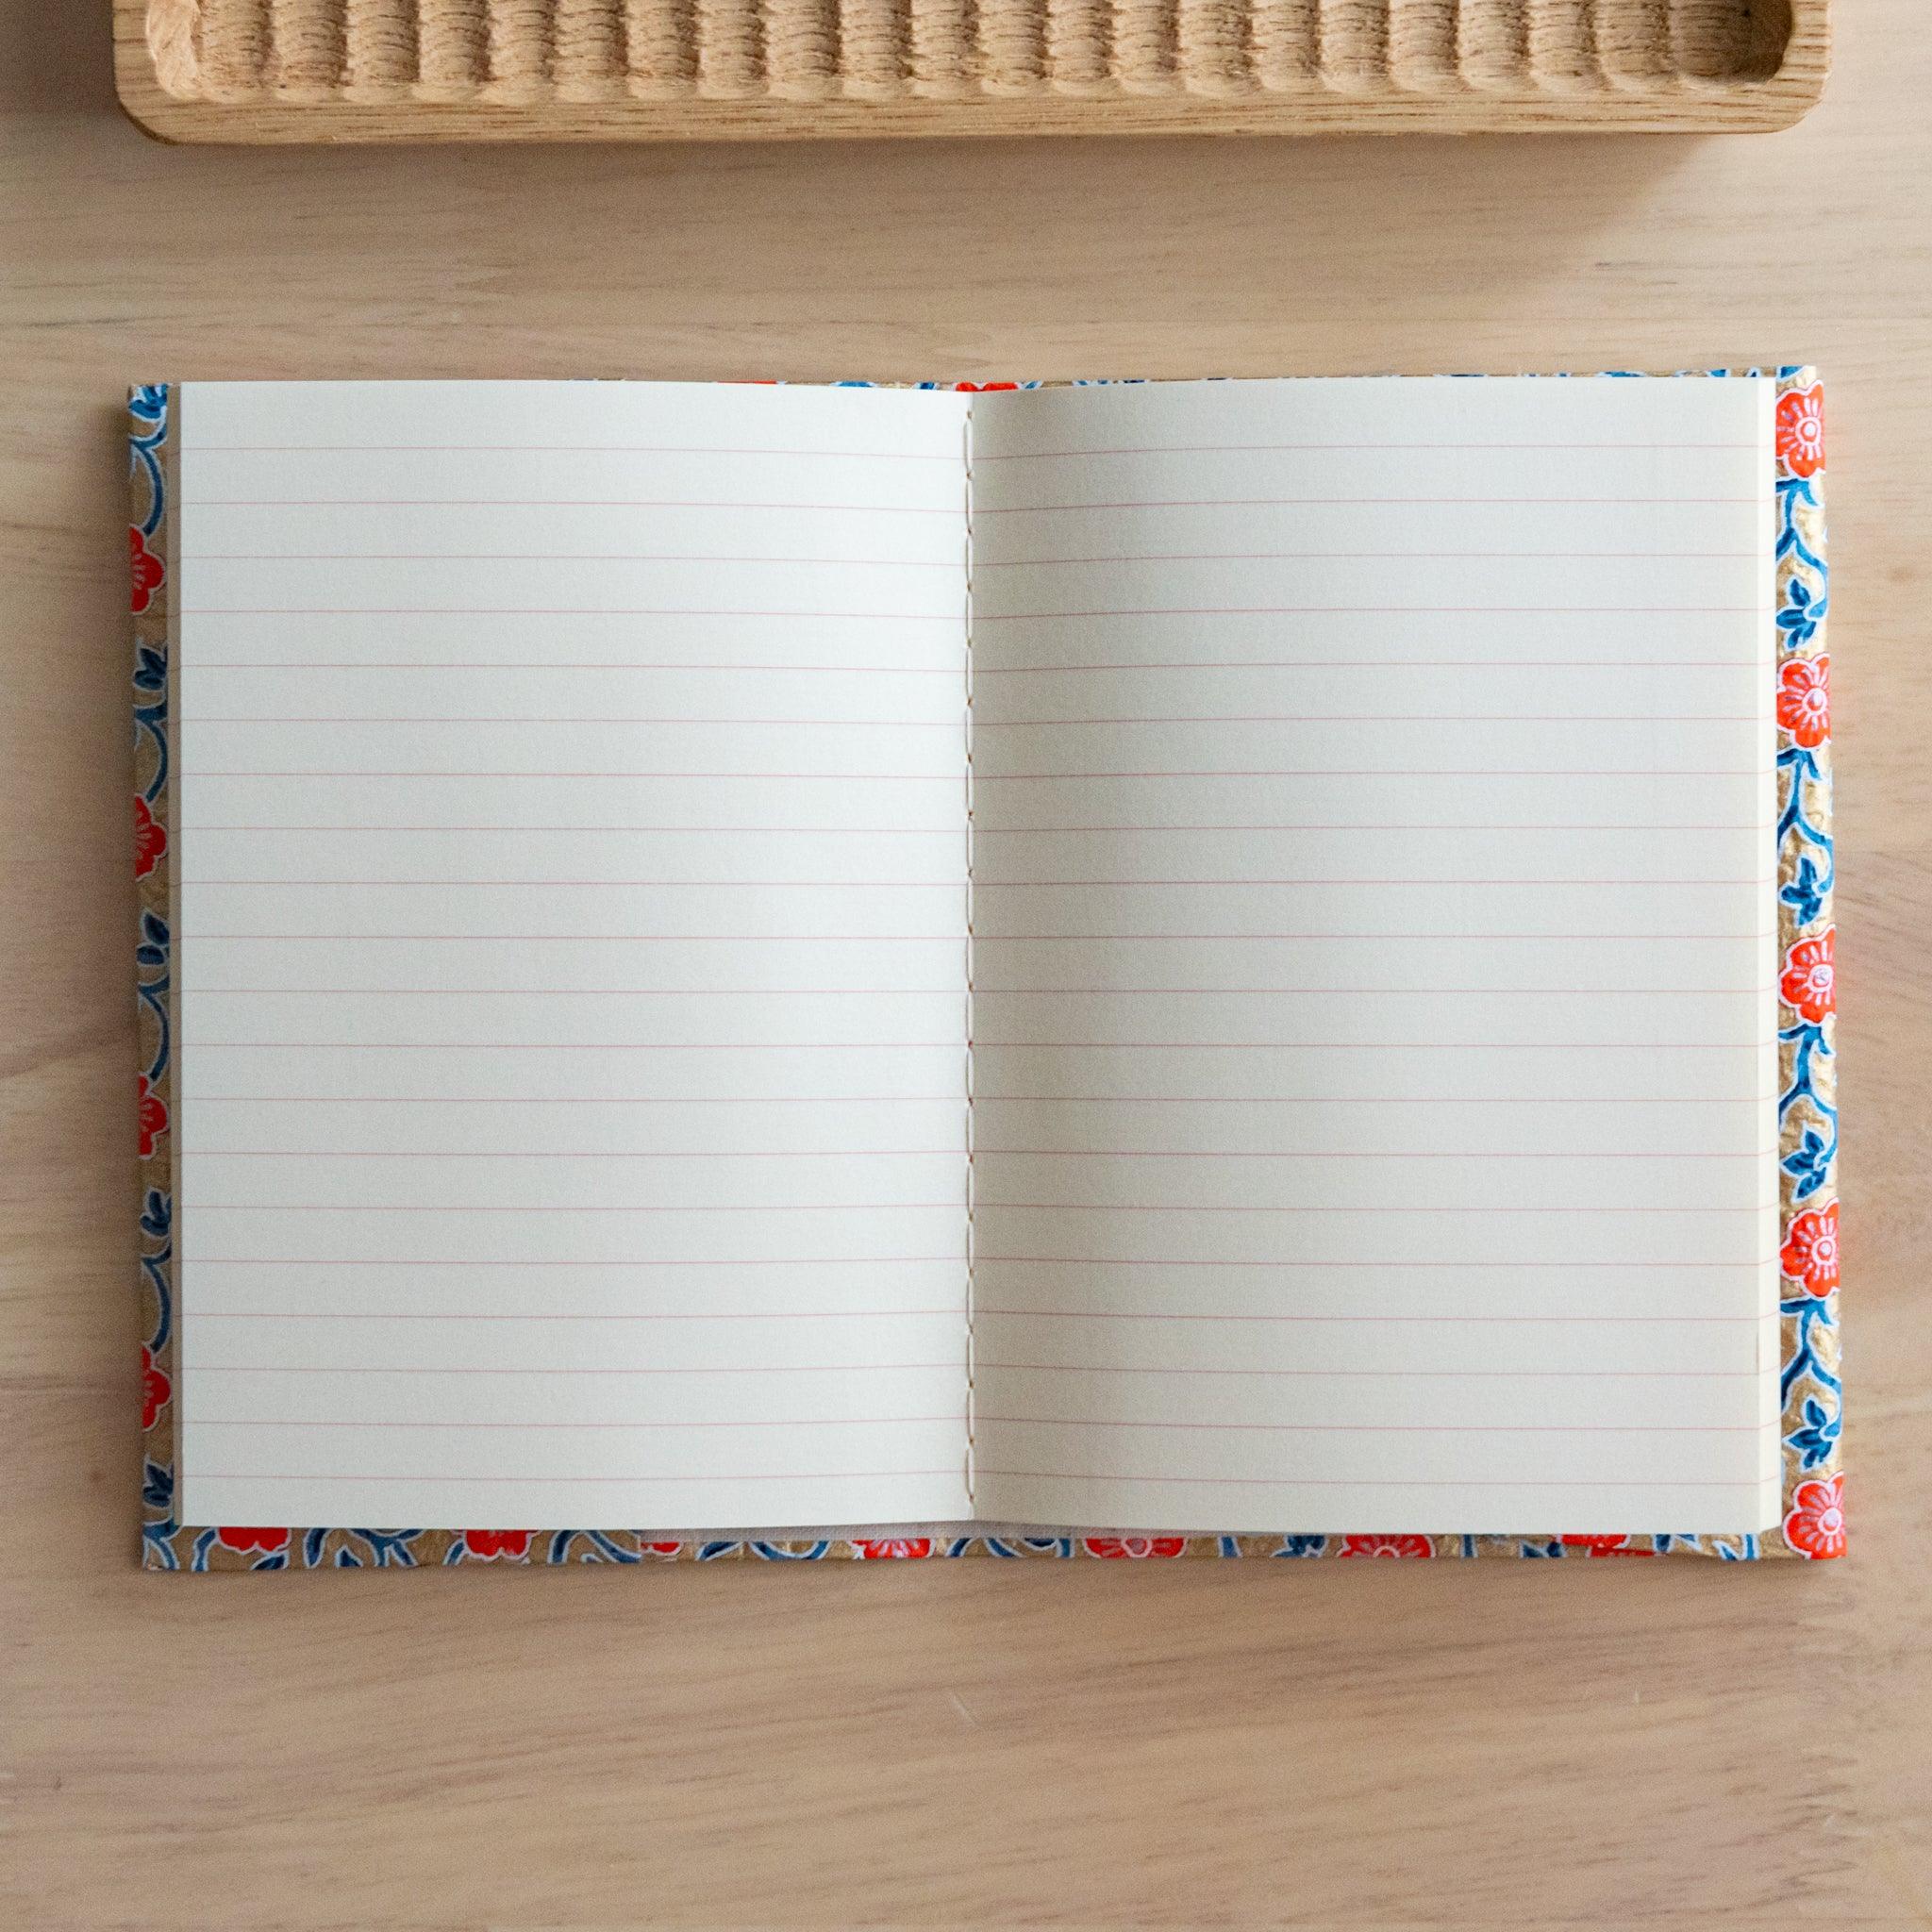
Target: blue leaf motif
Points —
{"points": [[153, 930], [1809, 1163], [1818, 1436], [1799, 619], [390, 1547], [1806, 893]]}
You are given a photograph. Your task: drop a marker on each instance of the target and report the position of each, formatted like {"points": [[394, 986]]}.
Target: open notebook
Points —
{"points": [[1197, 958]]}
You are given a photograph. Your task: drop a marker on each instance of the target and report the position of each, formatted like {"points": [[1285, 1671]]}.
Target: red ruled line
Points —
{"points": [[1222, 938], [362, 1368], [1036, 509], [522, 1100], [1319, 557], [911, 509], [545, 1315], [472, 665], [576, 557], [951, 885], [1434, 937], [1281, 611], [687, 1154], [1334, 1100], [641, 939], [1349, 1045], [722, 1207], [815, 1476], [1211, 1154], [949, 832], [1045, 1421], [1217, 718], [1196, 885], [836, 1422], [663, 449], [981, 831], [657, 718], [748, 777], [566, 610], [1489, 664], [1064, 1046], [1239, 449], [986, 992], [1301, 1482], [983, 1152], [1269, 772], [1155, 1207], [989, 778], [417, 1262], [1397, 1375], [1552, 1267], [1095, 939], [1338, 1321]]}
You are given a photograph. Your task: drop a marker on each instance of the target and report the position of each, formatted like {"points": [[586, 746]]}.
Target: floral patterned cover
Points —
{"points": [[1813, 1524]]}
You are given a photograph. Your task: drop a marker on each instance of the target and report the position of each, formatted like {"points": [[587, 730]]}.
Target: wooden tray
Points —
{"points": [[659, 70]]}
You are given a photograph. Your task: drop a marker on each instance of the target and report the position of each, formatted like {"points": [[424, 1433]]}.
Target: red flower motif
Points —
{"points": [[489, 1544], [253, 1539], [150, 839], [148, 570], [1385, 1546], [895, 1546], [1807, 985], [666, 1549], [1603, 1546], [983, 388], [1134, 1546], [1816, 1525], [1801, 430], [1804, 700], [1809, 1254], [155, 1388], [152, 1113]]}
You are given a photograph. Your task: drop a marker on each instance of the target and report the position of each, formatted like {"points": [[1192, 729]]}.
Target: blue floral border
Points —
{"points": [[1807, 1113]]}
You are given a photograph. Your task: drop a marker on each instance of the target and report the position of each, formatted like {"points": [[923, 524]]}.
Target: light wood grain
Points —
{"points": [[1489, 1746], [275, 70]]}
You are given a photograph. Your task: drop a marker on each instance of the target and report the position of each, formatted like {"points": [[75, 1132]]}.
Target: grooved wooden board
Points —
{"points": [[246, 70]]}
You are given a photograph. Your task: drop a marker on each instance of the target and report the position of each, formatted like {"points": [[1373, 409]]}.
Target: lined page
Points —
{"points": [[571, 871], [1374, 1034]]}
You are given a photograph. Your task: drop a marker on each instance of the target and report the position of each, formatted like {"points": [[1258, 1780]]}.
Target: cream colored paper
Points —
{"points": [[611, 1168], [1374, 1033], [1372, 1021]]}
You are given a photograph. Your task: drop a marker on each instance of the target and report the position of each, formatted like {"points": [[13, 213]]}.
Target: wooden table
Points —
{"points": [[1681, 1744]]}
